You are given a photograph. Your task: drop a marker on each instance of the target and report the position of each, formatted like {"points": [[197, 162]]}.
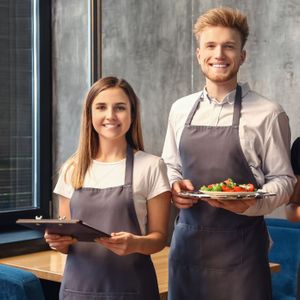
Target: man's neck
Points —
{"points": [[218, 90]]}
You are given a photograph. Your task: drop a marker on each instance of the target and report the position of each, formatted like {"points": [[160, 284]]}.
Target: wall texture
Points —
{"points": [[70, 67], [70, 63], [150, 43]]}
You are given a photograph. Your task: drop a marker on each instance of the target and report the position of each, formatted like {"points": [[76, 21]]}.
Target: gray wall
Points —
{"points": [[150, 43], [70, 67], [70, 64]]}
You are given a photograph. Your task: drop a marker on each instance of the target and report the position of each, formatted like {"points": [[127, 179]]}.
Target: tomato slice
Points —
{"points": [[239, 189], [250, 187], [225, 188]]}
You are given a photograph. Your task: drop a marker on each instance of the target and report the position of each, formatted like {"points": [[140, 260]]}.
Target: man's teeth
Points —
{"points": [[219, 66]]}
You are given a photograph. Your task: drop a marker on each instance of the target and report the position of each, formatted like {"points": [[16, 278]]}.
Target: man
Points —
{"points": [[219, 249]]}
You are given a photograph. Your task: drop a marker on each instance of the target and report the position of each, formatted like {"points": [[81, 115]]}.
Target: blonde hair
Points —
{"points": [[223, 16], [88, 145]]}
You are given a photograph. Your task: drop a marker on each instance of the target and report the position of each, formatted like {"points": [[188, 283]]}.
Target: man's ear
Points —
{"points": [[243, 57], [198, 55]]}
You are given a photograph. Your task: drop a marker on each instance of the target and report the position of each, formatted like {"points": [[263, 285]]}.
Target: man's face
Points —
{"points": [[220, 53]]}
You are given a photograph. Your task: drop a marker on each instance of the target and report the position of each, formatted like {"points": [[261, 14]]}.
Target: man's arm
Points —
{"points": [[172, 160], [276, 166], [170, 153]]}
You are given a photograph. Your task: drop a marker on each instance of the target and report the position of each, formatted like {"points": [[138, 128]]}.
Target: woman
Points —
{"points": [[293, 207], [92, 188]]}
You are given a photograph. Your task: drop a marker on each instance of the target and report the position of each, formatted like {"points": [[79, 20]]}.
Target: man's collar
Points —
{"points": [[229, 98]]}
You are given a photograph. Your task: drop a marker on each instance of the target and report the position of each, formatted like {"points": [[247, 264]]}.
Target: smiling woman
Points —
{"points": [[113, 185], [111, 114]]}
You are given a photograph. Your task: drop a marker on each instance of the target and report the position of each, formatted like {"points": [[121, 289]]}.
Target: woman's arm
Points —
{"points": [[58, 242], [293, 207], [124, 243], [64, 208]]}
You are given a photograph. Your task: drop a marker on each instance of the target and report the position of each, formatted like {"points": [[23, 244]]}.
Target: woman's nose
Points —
{"points": [[110, 114]]}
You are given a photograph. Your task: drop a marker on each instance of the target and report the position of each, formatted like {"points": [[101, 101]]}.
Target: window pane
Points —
{"points": [[17, 173]]}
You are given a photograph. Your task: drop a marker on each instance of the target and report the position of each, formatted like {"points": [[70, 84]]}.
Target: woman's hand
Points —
{"points": [[293, 212], [124, 243], [58, 242], [177, 187], [121, 243]]}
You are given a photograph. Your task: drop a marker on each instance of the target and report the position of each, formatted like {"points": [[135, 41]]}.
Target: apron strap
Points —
{"points": [[129, 166], [193, 111], [237, 107]]}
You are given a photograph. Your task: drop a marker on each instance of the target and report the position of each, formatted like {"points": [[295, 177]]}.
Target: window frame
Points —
{"points": [[44, 121]]}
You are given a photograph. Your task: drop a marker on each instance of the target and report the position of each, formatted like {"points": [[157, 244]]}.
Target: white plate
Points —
{"points": [[225, 195], [232, 194]]}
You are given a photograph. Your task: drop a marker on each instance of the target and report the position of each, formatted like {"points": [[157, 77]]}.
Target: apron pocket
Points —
{"points": [[221, 249], [209, 248]]}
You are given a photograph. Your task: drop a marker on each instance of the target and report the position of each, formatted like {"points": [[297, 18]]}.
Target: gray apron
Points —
{"points": [[216, 254], [92, 272]]}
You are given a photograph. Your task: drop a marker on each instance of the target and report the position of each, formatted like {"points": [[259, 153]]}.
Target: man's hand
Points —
{"points": [[236, 206], [179, 186]]}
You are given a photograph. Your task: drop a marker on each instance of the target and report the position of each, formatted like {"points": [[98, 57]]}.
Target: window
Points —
{"points": [[25, 104]]}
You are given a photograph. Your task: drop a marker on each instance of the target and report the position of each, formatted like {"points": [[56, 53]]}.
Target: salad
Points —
{"points": [[228, 185]]}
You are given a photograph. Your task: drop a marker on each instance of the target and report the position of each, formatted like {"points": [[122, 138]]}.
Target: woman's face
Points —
{"points": [[111, 115]]}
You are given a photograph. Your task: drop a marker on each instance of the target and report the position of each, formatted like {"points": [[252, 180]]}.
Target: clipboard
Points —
{"points": [[75, 228]]}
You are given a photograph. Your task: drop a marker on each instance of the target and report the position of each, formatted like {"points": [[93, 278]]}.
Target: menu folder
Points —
{"points": [[75, 228]]}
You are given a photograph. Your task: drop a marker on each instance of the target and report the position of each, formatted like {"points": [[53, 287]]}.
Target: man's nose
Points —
{"points": [[219, 52]]}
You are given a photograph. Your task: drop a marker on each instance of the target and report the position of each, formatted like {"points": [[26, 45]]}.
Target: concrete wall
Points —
{"points": [[70, 64], [150, 43], [71, 81]]}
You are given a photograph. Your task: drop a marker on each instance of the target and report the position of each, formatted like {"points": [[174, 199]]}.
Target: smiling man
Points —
{"points": [[219, 249]]}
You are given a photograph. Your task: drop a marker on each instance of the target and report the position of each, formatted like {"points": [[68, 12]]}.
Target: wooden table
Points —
{"points": [[50, 265]]}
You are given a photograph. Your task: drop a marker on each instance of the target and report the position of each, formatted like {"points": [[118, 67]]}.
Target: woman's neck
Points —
{"points": [[110, 152]]}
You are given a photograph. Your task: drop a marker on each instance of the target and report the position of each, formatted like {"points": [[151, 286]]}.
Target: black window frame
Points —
{"points": [[44, 78]]}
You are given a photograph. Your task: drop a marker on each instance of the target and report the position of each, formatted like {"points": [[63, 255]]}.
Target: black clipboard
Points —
{"points": [[75, 228]]}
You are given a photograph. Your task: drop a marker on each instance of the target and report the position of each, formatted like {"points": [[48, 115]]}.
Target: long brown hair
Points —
{"points": [[88, 145]]}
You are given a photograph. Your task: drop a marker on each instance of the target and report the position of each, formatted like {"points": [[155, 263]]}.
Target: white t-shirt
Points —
{"points": [[149, 180]]}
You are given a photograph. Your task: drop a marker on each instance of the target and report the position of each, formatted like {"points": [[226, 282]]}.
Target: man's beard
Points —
{"points": [[220, 78]]}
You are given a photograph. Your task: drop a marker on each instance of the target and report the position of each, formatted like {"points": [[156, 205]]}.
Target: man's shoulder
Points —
{"points": [[186, 102], [260, 101]]}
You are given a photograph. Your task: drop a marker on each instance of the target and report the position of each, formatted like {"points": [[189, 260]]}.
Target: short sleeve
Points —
{"points": [[63, 186], [158, 181], [295, 156]]}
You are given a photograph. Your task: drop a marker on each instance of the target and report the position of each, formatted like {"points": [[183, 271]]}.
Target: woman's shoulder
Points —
{"points": [[147, 158], [150, 162]]}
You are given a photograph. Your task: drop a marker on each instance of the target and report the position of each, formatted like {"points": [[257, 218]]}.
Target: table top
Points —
{"points": [[50, 265]]}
